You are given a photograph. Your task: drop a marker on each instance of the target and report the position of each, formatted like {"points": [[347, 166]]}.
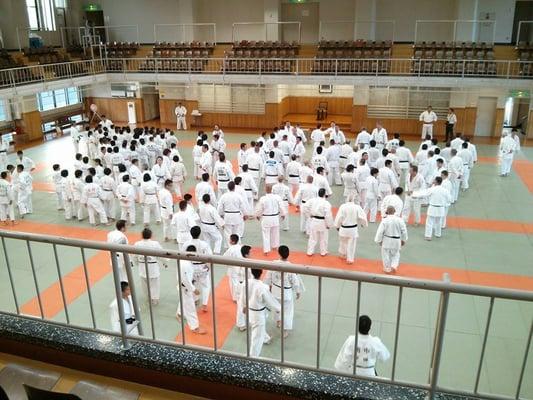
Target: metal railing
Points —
{"points": [[272, 66], [50, 72], [16, 242]]}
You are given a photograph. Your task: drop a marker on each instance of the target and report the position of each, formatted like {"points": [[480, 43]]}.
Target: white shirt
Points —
{"points": [[451, 118], [151, 262], [394, 201], [438, 197]]}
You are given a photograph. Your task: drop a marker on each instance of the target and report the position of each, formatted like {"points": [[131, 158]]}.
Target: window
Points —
{"points": [[407, 102], [73, 95], [61, 3], [245, 99], [58, 98], [33, 15], [124, 90], [3, 111], [41, 15]]}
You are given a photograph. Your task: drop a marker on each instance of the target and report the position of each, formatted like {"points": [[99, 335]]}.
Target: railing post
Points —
{"points": [[336, 66], [180, 299], [212, 283], [297, 71], [508, 69], [318, 322], [282, 287], [524, 361], [149, 293], [35, 280], [12, 283], [120, 303], [133, 289], [260, 66], [464, 68], [439, 341]]}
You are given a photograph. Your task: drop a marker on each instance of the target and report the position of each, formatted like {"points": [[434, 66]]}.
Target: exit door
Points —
{"points": [[132, 118]]}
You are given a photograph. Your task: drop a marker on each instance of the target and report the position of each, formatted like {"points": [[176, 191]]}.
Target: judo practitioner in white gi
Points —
{"points": [[292, 287], [118, 236], [439, 198], [129, 313], [391, 236], [149, 267], [256, 301], [269, 210], [349, 216], [319, 211], [211, 223], [370, 350], [187, 292]]}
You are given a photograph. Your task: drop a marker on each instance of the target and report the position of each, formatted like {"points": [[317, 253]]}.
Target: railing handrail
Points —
{"points": [[414, 283]]}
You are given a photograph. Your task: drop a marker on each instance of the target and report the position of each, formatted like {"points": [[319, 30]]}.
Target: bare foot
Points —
{"points": [[204, 309], [242, 328], [285, 334], [199, 331]]}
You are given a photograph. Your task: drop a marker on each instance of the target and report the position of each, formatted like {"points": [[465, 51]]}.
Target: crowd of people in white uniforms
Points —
{"points": [[118, 169]]}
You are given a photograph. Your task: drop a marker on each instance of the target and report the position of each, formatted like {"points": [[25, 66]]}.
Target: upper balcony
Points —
{"points": [[368, 71]]}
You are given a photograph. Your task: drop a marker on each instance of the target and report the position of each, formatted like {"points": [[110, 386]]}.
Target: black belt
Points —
{"points": [[317, 217], [271, 215], [284, 287], [151, 262], [303, 201], [207, 223], [220, 180], [150, 194], [343, 157], [3, 151], [392, 237], [255, 309], [130, 321], [232, 212], [433, 205], [286, 155], [372, 367], [271, 175], [107, 190], [404, 160], [253, 169], [294, 176], [349, 226], [249, 190], [197, 263]]}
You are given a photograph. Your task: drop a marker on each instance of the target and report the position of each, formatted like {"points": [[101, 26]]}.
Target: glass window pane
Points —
{"points": [[3, 112], [46, 101], [61, 99], [72, 94], [32, 18]]}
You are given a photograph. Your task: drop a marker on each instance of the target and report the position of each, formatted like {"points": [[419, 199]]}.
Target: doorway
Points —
{"points": [[307, 15], [486, 115]]}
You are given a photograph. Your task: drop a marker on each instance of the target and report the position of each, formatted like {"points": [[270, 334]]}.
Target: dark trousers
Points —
{"points": [[449, 132]]}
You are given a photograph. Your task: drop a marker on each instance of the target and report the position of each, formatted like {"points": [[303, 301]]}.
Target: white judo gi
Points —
{"points": [[187, 289], [439, 198], [293, 287], [269, 209], [129, 316], [348, 217], [232, 208], [370, 349], [319, 211], [118, 237], [259, 298], [390, 235], [149, 269], [211, 223]]}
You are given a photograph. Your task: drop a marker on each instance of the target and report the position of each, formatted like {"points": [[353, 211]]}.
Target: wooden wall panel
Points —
{"points": [[117, 109], [529, 133], [498, 122], [31, 126], [308, 105], [358, 117], [470, 121], [283, 108], [226, 120], [167, 106]]}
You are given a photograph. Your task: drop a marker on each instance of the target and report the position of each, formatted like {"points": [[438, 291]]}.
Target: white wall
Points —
{"points": [[503, 12], [312, 91], [225, 13], [336, 10], [407, 12]]}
